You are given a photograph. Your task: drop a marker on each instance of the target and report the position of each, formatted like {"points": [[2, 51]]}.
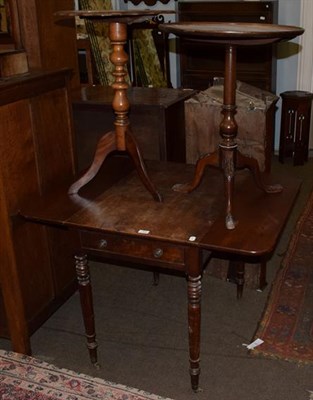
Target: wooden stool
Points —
{"points": [[295, 126]]}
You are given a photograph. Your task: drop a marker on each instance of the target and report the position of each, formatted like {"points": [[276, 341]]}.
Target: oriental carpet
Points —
{"points": [[287, 324], [23, 377]]}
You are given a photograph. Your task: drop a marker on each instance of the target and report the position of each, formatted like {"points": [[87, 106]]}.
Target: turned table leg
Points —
{"points": [[84, 285], [240, 277], [236, 274], [194, 314]]}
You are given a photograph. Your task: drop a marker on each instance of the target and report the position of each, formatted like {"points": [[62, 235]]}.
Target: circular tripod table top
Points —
{"points": [[112, 15], [241, 33]]}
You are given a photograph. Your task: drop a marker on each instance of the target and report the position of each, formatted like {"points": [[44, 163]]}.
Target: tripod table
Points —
{"points": [[231, 35], [121, 138]]}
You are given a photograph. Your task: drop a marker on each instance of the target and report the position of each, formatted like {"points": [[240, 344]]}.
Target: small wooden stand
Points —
{"points": [[295, 126], [230, 35], [121, 138]]}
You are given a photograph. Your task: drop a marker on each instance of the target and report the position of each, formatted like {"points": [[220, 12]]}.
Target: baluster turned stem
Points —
{"points": [[120, 104], [228, 131]]}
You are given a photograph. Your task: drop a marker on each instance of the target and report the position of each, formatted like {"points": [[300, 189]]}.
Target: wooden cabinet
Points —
{"points": [[36, 150], [36, 272], [295, 126], [200, 62]]}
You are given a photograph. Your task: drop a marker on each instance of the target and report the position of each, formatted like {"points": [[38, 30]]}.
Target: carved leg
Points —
{"points": [[105, 146], [208, 159], [253, 166], [194, 315], [84, 285], [133, 150]]}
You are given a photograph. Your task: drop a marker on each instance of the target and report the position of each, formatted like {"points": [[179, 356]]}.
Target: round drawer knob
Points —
{"points": [[158, 253], [102, 244]]}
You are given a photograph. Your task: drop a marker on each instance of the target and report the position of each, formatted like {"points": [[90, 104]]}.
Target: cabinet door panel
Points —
{"points": [[34, 268], [36, 151], [52, 122], [19, 173], [17, 157]]}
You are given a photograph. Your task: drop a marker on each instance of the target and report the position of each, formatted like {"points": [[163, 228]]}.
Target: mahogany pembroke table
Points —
{"points": [[125, 223]]}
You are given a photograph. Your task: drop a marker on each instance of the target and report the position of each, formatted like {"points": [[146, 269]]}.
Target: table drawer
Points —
{"points": [[147, 250]]}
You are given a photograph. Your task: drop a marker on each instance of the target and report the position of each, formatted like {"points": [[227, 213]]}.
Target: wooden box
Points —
{"points": [[255, 119]]}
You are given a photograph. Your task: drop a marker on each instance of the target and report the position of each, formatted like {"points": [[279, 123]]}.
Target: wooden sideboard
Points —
{"points": [[200, 62], [36, 151]]}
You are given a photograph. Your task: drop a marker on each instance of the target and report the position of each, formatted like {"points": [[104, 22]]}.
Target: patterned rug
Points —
{"points": [[287, 325], [23, 377]]}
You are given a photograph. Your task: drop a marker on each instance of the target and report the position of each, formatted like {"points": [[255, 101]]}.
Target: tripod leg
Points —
{"points": [[106, 145], [209, 159], [253, 166], [133, 150]]}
